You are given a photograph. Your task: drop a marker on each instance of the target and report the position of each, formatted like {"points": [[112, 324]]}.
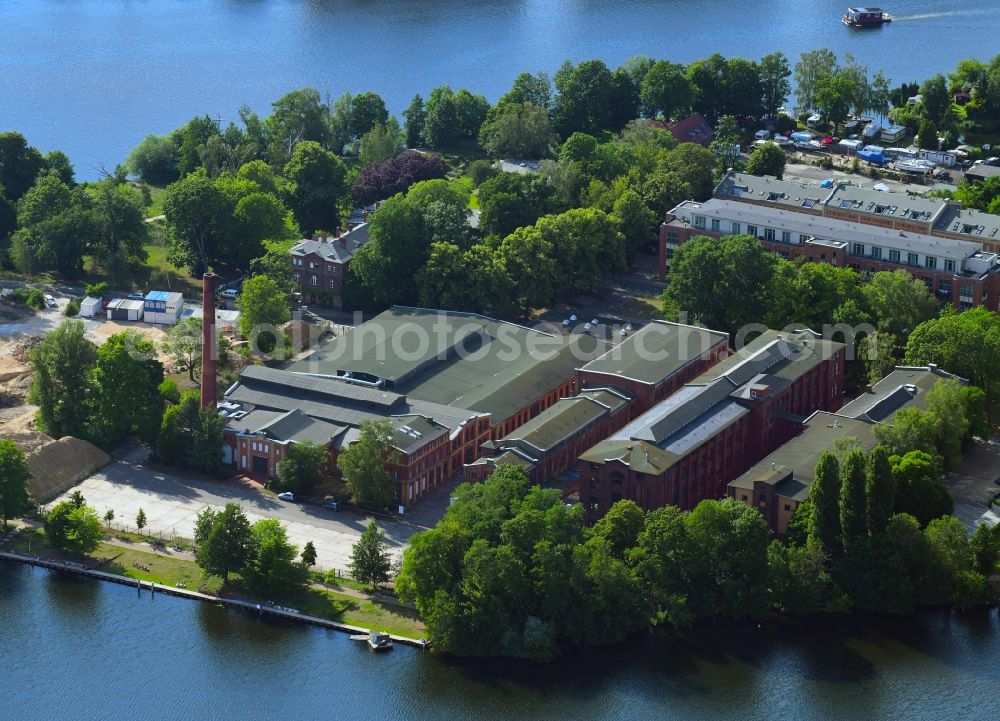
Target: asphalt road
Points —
{"points": [[172, 502]]}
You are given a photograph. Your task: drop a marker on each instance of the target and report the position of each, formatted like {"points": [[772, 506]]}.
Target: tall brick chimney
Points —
{"points": [[209, 349]]}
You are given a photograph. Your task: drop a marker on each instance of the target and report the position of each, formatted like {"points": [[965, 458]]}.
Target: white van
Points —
{"points": [[229, 293]]}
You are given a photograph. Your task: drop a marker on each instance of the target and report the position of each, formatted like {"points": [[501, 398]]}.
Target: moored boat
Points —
{"points": [[377, 640], [865, 17]]}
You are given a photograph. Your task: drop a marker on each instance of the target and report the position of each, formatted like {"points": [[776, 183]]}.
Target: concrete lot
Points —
{"points": [[172, 502], [973, 484]]}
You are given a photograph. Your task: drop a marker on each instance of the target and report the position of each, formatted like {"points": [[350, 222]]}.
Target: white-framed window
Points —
{"points": [[333, 284], [930, 262], [949, 265], [768, 233], [313, 281], [716, 226], [699, 221], [736, 228]]}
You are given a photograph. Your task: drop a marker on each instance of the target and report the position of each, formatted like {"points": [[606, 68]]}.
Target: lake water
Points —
{"points": [[93, 78], [75, 649]]}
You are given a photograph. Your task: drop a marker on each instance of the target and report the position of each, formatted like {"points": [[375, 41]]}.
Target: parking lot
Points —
{"points": [[973, 485], [172, 502]]}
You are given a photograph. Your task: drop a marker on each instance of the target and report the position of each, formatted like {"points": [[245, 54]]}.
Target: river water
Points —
{"points": [[93, 78], [72, 648]]}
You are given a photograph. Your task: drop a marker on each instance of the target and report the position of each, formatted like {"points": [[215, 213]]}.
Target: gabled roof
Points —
{"points": [[337, 249], [464, 360], [656, 351], [906, 386], [293, 425], [692, 129], [791, 468]]}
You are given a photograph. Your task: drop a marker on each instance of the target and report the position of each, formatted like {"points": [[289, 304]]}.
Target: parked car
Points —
{"points": [[827, 140], [50, 301], [332, 506], [136, 295], [229, 293], [287, 496]]}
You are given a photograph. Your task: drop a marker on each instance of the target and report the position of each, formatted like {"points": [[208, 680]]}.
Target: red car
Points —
{"points": [[827, 140]]}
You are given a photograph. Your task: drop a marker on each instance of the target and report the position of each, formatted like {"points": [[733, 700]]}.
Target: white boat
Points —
{"points": [[914, 166], [377, 640]]}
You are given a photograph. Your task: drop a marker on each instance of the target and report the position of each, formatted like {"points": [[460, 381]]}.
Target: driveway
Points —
{"points": [[973, 485], [172, 502]]}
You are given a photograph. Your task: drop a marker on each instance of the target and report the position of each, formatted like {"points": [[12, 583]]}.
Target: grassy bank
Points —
{"points": [[160, 568]]}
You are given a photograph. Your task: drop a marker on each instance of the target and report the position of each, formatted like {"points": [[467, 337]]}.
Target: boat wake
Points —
{"points": [[927, 16]]}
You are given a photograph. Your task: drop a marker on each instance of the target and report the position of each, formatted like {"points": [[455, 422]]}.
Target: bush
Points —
{"points": [[480, 171], [72, 308], [31, 297]]}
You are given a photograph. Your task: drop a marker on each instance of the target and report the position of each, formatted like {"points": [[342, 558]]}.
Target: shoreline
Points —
{"points": [[152, 587]]}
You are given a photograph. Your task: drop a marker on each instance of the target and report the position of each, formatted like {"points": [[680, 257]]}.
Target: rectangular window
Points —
{"points": [[671, 237], [945, 287], [893, 255], [768, 233], [313, 281], [333, 284], [949, 265], [803, 237], [876, 252], [699, 221], [912, 259], [857, 248], [786, 237], [930, 262], [965, 290], [736, 228], [715, 225], [752, 230]]}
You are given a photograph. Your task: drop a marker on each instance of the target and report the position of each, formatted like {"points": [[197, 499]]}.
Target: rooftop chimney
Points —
{"points": [[209, 349]]}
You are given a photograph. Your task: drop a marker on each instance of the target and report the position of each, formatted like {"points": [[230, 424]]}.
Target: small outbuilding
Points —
{"points": [[161, 306], [125, 309], [90, 306]]}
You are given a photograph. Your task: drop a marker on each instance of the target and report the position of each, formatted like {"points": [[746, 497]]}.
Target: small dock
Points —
{"points": [[260, 609]]}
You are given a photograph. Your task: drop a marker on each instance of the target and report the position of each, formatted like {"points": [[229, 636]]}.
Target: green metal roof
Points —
{"points": [[656, 351], [791, 468], [463, 360]]}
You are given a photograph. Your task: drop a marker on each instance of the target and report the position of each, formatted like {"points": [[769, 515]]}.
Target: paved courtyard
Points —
{"points": [[973, 485], [172, 502]]}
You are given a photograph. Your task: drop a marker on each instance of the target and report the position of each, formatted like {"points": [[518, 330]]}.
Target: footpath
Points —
{"points": [[260, 608]]}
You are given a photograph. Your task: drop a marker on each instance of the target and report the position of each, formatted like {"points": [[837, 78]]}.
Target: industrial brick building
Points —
{"points": [[780, 482], [689, 446], [448, 382]]}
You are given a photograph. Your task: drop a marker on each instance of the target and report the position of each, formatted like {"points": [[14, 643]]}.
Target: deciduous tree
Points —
{"points": [[62, 384], [370, 558], [364, 464], [229, 545], [14, 477]]}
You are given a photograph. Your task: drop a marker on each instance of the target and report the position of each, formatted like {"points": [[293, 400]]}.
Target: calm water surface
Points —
{"points": [[94, 77], [74, 649]]}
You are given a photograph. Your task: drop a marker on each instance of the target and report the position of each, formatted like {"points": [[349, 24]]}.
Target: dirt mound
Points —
{"points": [[19, 350], [57, 465]]}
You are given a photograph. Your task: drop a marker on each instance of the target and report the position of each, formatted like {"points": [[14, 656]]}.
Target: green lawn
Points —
{"points": [[168, 571], [157, 195]]}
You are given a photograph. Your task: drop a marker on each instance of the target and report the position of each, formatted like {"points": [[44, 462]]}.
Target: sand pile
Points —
{"points": [[57, 466]]}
